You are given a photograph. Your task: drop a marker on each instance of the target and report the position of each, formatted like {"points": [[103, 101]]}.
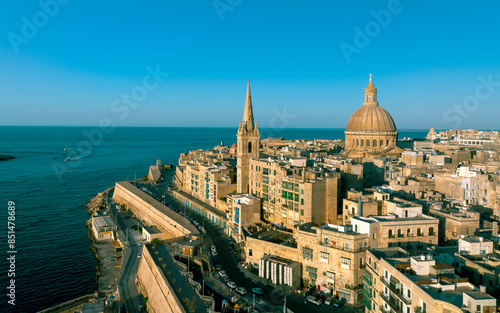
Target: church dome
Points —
{"points": [[371, 129], [371, 118]]}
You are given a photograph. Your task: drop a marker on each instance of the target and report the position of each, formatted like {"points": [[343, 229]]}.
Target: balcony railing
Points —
{"points": [[397, 292], [393, 306], [392, 236], [401, 236]]}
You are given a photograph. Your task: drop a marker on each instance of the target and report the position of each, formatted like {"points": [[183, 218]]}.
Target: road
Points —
{"points": [[126, 286]]}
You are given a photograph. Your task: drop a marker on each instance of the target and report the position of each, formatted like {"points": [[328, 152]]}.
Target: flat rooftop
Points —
{"points": [[275, 237], [479, 295]]}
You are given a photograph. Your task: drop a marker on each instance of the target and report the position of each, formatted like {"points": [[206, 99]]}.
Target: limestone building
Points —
{"points": [[396, 283], [294, 195], [332, 257], [371, 129], [248, 144], [414, 234]]}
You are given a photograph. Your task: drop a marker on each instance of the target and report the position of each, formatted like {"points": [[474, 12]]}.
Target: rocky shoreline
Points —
{"points": [[100, 249]]}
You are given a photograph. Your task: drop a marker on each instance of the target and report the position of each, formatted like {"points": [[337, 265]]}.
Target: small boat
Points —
{"points": [[67, 159], [65, 149]]}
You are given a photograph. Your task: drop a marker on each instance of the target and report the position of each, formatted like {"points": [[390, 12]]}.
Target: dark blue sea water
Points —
{"points": [[54, 263]]}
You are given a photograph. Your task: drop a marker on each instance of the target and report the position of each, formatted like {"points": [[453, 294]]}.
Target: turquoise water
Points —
{"points": [[53, 262]]}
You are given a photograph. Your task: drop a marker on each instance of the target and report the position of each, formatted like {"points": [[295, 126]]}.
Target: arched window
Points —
{"points": [[400, 233], [387, 142], [367, 142], [381, 143], [431, 231], [249, 147], [375, 143], [391, 234], [357, 142], [408, 233], [419, 232], [362, 142]]}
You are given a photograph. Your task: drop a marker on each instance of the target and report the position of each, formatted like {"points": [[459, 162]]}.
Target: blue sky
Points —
{"points": [[434, 64]]}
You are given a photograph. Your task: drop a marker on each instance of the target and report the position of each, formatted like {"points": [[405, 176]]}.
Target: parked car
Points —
{"points": [[214, 253], [139, 255], [222, 273], [337, 303], [329, 301], [242, 291], [213, 248], [231, 284], [313, 299], [258, 291]]}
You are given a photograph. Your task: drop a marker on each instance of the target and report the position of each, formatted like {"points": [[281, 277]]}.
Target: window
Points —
{"points": [[302, 201], [424, 307], [360, 262], [283, 212], [408, 232], [374, 143], [307, 253], [345, 263], [381, 142], [409, 293], [323, 257], [391, 235], [249, 252], [370, 260], [386, 274], [367, 142], [362, 142], [302, 212], [431, 231], [249, 147]]}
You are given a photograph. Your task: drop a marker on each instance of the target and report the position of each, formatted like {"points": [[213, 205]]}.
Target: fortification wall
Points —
{"points": [[148, 209], [153, 284]]}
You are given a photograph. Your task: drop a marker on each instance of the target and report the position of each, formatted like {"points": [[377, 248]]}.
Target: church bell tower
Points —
{"points": [[248, 144]]}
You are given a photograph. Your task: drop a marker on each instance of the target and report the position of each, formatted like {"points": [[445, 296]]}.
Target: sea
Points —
{"points": [[55, 172]]}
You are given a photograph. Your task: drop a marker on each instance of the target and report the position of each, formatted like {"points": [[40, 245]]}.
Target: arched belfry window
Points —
{"points": [[362, 142], [249, 147], [375, 143], [367, 142]]}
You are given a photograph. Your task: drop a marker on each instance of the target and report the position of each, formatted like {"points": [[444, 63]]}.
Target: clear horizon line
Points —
{"points": [[234, 127]]}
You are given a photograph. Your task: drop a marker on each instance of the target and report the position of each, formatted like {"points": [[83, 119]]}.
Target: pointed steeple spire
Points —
{"points": [[248, 121], [370, 93]]}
